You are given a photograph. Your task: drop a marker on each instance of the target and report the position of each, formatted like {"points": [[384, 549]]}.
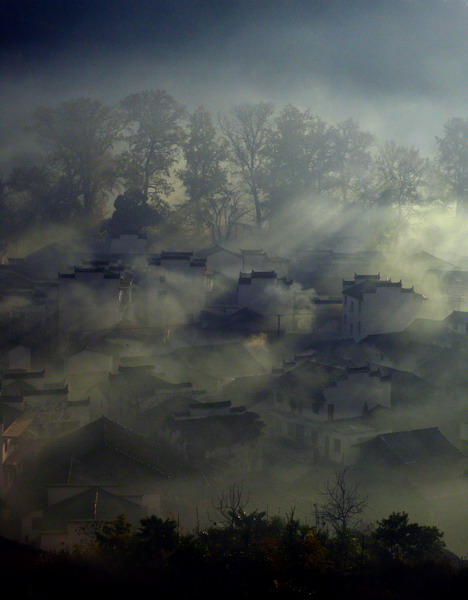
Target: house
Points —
{"points": [[128, 244], [88, 300], [93, 354], [433, 331], [132, 390], [221, 260], [74, 513], [172, 290], [26, 304], [448, 288], [323, 392], [45, 402], [457, 321], [16, 445], [209, 366], [17, 356], [372, 305], [217, 431], [314, 404], [103, 454], [421, 453], [253, 259]]}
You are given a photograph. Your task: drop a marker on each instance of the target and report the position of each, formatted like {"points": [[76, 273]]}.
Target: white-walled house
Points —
{"points": [[129, 243], [372, 305], [221, 260], [173, 289], [326, 409], [74, 513], [89, 299]]}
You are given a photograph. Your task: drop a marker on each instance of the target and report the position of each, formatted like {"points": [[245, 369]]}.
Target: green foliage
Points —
{"points": [[116, 538], [79, 136], [408, 541], [154, 138], [134, 213], [157, 537]]}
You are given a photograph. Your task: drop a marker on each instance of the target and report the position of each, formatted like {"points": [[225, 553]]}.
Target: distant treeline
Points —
{"points": [[172, 170], [247, 555]]}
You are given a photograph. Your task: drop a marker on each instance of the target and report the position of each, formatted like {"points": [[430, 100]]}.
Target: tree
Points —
{"points": [[353, 157], [133, 213], [154, 121], [210, 200], [453, 159], [343, 504], [248, 131], [204, 154], [302, 155], [223, 213], [408, 541], [157, 536], [79, 135], [402, 175], [232, 503], [115, 538]]}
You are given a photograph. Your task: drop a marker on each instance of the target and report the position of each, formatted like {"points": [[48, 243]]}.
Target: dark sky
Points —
{"points": [[398, 66]]}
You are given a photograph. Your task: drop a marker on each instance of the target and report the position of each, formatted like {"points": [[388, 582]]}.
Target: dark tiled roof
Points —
{"points": [[20, 374], [457, 315], [419, 447], [207, 252], [209, 433], [370, 287], [219, 360], [94, 503], [263, 275], [168, 255]]}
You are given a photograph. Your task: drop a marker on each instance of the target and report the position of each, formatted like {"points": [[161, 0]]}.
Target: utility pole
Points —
{"points": [[278, 325]]}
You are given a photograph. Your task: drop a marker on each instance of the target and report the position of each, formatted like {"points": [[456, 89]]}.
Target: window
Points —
{"points": [[351, 329], [336, 445], [359, 327], [330, 411], [345, 319], [359, 306], [352, 306]]}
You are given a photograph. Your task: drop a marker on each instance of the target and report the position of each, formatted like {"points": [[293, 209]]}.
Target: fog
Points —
{"points": [[158, 339], [398, 67]]}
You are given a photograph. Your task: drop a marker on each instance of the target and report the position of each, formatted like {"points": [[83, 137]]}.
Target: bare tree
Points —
{"points": [[248, 132], [232, 503], [344, 504], [223, 214]]}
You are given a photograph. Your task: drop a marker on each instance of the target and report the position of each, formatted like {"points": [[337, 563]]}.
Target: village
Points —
{"points": [[142, 382]]}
